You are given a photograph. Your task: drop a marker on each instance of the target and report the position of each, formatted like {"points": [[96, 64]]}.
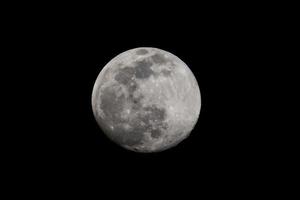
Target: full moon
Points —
{"points": [[146, 100]]}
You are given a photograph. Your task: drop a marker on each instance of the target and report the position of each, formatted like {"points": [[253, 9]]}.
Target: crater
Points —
{"points": [[135, 102]]}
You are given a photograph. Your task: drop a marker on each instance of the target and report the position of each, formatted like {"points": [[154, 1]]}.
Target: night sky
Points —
{"points": [[66, 55]]}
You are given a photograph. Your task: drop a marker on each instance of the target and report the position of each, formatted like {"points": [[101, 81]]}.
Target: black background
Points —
{"points": [[64, 52]]}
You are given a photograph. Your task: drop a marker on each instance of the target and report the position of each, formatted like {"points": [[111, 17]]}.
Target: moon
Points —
{"points": [[146, 100]]}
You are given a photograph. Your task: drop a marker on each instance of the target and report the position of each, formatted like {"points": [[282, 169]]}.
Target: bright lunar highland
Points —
{"points": [[146, 100]]}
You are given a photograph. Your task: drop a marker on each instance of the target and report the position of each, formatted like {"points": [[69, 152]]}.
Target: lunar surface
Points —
{"points": [[146, 100]]}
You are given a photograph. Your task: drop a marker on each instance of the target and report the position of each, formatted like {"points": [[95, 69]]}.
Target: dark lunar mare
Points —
{"points": [[149, 119], [141, 52], [159, 59], [143, 69], [154, 118], [166, 72], [112, 106], [124, 75]]}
